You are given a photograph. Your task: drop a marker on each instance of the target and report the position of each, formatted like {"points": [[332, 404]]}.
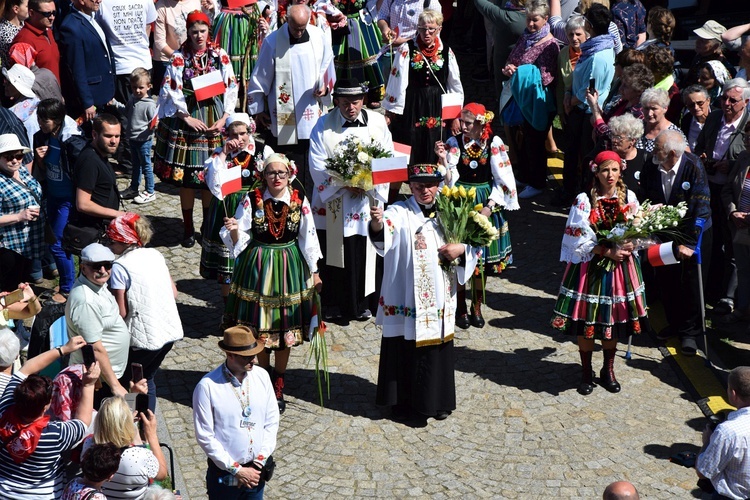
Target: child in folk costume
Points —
{"points": [[595, 303], [272, 236]]}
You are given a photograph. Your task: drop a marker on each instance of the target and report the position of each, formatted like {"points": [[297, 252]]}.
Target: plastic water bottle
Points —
{"points": [[228, 480]]}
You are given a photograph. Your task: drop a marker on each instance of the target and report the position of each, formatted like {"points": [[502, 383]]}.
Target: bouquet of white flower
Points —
{"points": [[351, 163]]}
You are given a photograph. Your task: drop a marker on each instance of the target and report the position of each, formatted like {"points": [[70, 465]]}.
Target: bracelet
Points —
{"points": [[59, 349]]}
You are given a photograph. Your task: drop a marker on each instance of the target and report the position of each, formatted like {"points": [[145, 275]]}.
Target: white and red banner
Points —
{"points": [[208, 85], [389, 169], [223, 181], [662, 255], [452, 104]]}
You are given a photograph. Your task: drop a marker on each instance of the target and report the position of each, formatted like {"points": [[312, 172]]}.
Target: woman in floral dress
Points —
{"points": [[595, 302], [189, 130], [423, 70], [473, 161], [272, 236]]}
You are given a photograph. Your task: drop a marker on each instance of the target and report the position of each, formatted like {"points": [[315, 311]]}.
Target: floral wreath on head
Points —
{"points": [[605, 156], [481, 115]]}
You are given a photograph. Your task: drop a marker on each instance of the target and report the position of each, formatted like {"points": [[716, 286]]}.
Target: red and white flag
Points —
{"points": [[389, 170], [662, 255], [402, 150], [208, 85], [223, 181], [452, 104]]}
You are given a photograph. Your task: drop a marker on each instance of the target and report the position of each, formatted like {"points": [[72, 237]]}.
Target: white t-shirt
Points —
{"points": [[125, 23]]}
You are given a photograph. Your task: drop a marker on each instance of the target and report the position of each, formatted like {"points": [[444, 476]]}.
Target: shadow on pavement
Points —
{"points": [[523, 368], [167, 231], [177, 385]]}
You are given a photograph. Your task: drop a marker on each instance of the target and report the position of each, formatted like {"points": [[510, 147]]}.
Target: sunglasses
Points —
{"points": [[98, 265], [13, 156], [48, 14]]}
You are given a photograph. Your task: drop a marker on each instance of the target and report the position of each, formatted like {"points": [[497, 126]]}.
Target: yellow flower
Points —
{"points": [[178, 174], [472, 213], [462, 191], [446, 191], [478, 207], [454, 192], [472, 193]]}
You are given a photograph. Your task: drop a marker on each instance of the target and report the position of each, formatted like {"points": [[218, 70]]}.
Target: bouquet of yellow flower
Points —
{"points": [[460, 220], [351, 163]]}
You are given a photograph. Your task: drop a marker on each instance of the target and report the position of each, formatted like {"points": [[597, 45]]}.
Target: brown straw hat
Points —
{"points": [[241, 340]]}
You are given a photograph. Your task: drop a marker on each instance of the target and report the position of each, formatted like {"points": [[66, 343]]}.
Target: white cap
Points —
{"points": [[22, 78], [96, 252]]}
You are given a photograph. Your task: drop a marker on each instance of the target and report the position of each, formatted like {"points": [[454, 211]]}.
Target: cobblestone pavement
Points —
{"points": [[521, 430]]}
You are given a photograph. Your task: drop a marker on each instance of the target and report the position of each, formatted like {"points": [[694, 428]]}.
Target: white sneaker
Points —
{"points": [[144, 197], [529, 192]]}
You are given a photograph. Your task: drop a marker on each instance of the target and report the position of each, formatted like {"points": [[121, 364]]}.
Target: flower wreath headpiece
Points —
{"points": [[276, 158]]}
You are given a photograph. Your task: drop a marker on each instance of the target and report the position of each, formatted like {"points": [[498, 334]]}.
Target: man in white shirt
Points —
{"points": [[725, 457], [236, 419], [291, 72]]}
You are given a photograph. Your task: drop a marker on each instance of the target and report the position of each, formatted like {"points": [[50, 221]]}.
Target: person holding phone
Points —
{"points": [[92, 312]]}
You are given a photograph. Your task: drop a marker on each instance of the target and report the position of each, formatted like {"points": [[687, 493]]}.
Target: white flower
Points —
{"points": [[363, 157], [442, 170], [686, 185]]}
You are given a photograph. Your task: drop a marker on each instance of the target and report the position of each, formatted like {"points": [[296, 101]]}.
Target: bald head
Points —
{"points": [[620, 490], [297, 19]]}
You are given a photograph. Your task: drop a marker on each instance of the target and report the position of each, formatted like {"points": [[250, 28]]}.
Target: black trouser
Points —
{"points": [[535, 155], [14, 269], [578, 143], [722, 274]]}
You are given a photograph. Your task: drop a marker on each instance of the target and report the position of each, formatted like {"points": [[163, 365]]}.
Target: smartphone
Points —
{"points": [[88, 355], [141, 403], [11, 298], [130, 399], [137, 371], [592, 85]]}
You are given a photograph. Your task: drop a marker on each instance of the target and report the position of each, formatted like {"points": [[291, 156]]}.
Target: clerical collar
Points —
{"points": [[360, 121], [304, 38], [427, 210]]}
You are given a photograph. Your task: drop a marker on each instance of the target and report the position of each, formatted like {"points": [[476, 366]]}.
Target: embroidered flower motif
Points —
{"points": [[305, 210], [685, 185], [224, 59], [178, 62], [321, 211], [636, 326], [559, 322], [391, 98], [589, 332], [495, 150], [290, 339], [429, 122], [178, 174]]}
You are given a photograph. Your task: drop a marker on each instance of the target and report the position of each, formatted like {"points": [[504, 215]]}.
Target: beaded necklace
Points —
{"points": [[473, 153], [276, 221]]}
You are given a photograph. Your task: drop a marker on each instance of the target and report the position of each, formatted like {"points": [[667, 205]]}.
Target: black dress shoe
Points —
{"points": [[128, 194], [189, 241], [462, 321], [442, 415], [476, 320], [585, 388], [282, 405], [609, 384]]}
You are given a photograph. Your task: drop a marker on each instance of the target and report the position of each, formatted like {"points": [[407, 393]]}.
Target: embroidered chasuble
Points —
{"points": [[418, 296]]}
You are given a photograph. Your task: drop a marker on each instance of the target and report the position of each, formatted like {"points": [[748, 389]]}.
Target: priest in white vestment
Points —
{"points": [[418, 301], [342, 214], [293, 72]]}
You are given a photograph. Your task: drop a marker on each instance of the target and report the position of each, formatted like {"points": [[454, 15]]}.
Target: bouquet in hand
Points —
{"points": [[644, 226], [351, 163], [460, 220]]}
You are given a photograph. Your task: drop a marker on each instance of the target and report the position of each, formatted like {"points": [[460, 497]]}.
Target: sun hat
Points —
{"points": [[10, 142], [22, 78], [711, 30], [241, 340]]}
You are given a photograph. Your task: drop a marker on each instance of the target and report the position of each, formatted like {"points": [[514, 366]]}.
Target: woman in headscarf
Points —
{"points": [[712, 76], [145, 294]]}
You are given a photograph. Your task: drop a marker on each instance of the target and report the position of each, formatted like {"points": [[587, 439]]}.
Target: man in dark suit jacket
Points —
{"points": [[87, 57], [718, 145], [679, 176]]}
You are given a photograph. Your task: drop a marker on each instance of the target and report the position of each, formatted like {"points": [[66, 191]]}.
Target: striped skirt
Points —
{"points": [[272, 291], [180, 152], [237, 33], [498, 255], [355, 54], [216, 264], [595, 303]]}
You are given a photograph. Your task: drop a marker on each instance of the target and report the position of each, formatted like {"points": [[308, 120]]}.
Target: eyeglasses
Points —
{"points": [[13, 156], [280, 175], [47, 14], [731, 100], [696, 104], [429, 31], [98, 265], [619, 138]]}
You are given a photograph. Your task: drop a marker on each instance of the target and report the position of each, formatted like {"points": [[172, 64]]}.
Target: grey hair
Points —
{"points": [[627, 125], [739, 83], [537, 8], [695, 89], [575, 23], [430, 16], [654, 95], [674, 141], [156, 492], [9, 347]]}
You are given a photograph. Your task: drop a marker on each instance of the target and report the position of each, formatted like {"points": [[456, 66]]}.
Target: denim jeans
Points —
{"points": [[218, 491], [58, 211], [141, 159]]}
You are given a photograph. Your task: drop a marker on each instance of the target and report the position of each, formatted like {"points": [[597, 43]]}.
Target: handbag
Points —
{"points": [[76, 238], [266, 473]]}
